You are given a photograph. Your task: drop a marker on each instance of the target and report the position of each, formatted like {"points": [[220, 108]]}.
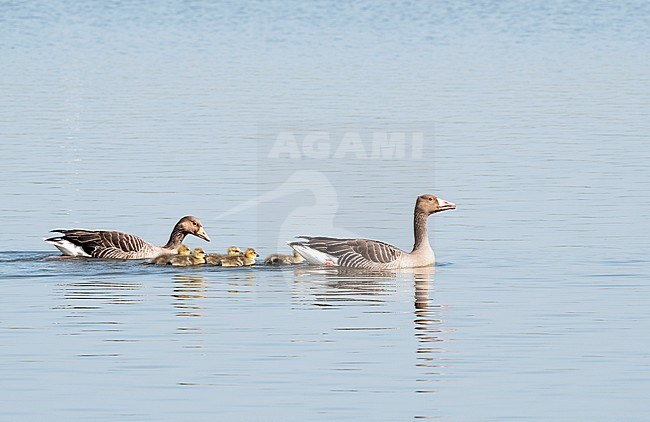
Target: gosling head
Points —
{"points": [[198, 253], [250, 253], [249, 256], [183, 250], [234, 251]]}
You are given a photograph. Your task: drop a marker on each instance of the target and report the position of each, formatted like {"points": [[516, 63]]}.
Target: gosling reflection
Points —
{"points": [[188, 290], [242, 283]]}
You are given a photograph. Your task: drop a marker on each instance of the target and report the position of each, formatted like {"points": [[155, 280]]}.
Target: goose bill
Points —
{"points": [[202, 234], [445, 205]]}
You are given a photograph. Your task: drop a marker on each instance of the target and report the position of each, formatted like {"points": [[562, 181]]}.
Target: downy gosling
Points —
{"points": [[197, 258], [183, 250], [241, 261], [280, 259], [215, 258]]}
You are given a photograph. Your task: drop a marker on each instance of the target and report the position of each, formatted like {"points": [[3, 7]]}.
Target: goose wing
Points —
{"points": [[357, 253], [105, 244]]}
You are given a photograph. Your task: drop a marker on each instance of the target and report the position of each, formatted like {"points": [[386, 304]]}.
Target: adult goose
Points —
{"points": [[118, 245], [372, 254]]}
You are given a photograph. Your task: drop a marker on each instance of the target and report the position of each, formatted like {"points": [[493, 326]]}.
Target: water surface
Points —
{"points": [[533, 119]]}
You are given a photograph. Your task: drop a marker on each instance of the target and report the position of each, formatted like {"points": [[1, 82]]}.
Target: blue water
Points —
{"points": [[268, 120]]}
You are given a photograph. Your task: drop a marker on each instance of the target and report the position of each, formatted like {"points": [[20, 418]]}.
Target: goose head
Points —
{"points": [[191, 225], [250, 253], [430, 204]]}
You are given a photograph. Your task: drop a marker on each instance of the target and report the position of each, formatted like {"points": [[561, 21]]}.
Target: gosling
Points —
{"points": [[197, 258], [280, 259], [241, 261], [215, 258], [164, 259]]}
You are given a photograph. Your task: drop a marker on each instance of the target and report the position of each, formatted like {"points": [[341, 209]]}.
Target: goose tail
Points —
{"points": [[66, 247], [312, 255]]}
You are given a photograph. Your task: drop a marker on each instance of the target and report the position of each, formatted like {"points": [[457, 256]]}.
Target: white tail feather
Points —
{"points": [[312, 255], [67, 248]]}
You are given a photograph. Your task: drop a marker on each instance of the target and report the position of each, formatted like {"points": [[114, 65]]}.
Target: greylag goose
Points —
{"points": [[372, 254], [164, 259], [197, 258], [215, 258], [118, 245], [280, 259], [240, 261]]}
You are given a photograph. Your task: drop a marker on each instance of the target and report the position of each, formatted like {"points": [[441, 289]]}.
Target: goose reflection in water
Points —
{"points": [[427, 322], [85, 304], [92, 294], [336, 287], [332, 286]]}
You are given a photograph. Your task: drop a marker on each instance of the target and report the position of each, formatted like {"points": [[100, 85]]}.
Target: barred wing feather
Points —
{"points": [[105, 244], [358, 253]]}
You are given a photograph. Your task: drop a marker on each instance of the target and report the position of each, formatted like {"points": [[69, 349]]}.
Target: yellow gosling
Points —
{"points": [[183, 250], [241, 261], [197, 258], [280, 259], [215, 258]]}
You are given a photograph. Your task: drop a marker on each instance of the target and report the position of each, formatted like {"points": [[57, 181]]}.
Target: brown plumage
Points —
{"points": [[118, 245], [372, 254]]}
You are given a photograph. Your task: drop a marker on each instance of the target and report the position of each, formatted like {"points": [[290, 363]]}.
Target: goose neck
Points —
{"points": [[420, 231], [175, 239]]}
